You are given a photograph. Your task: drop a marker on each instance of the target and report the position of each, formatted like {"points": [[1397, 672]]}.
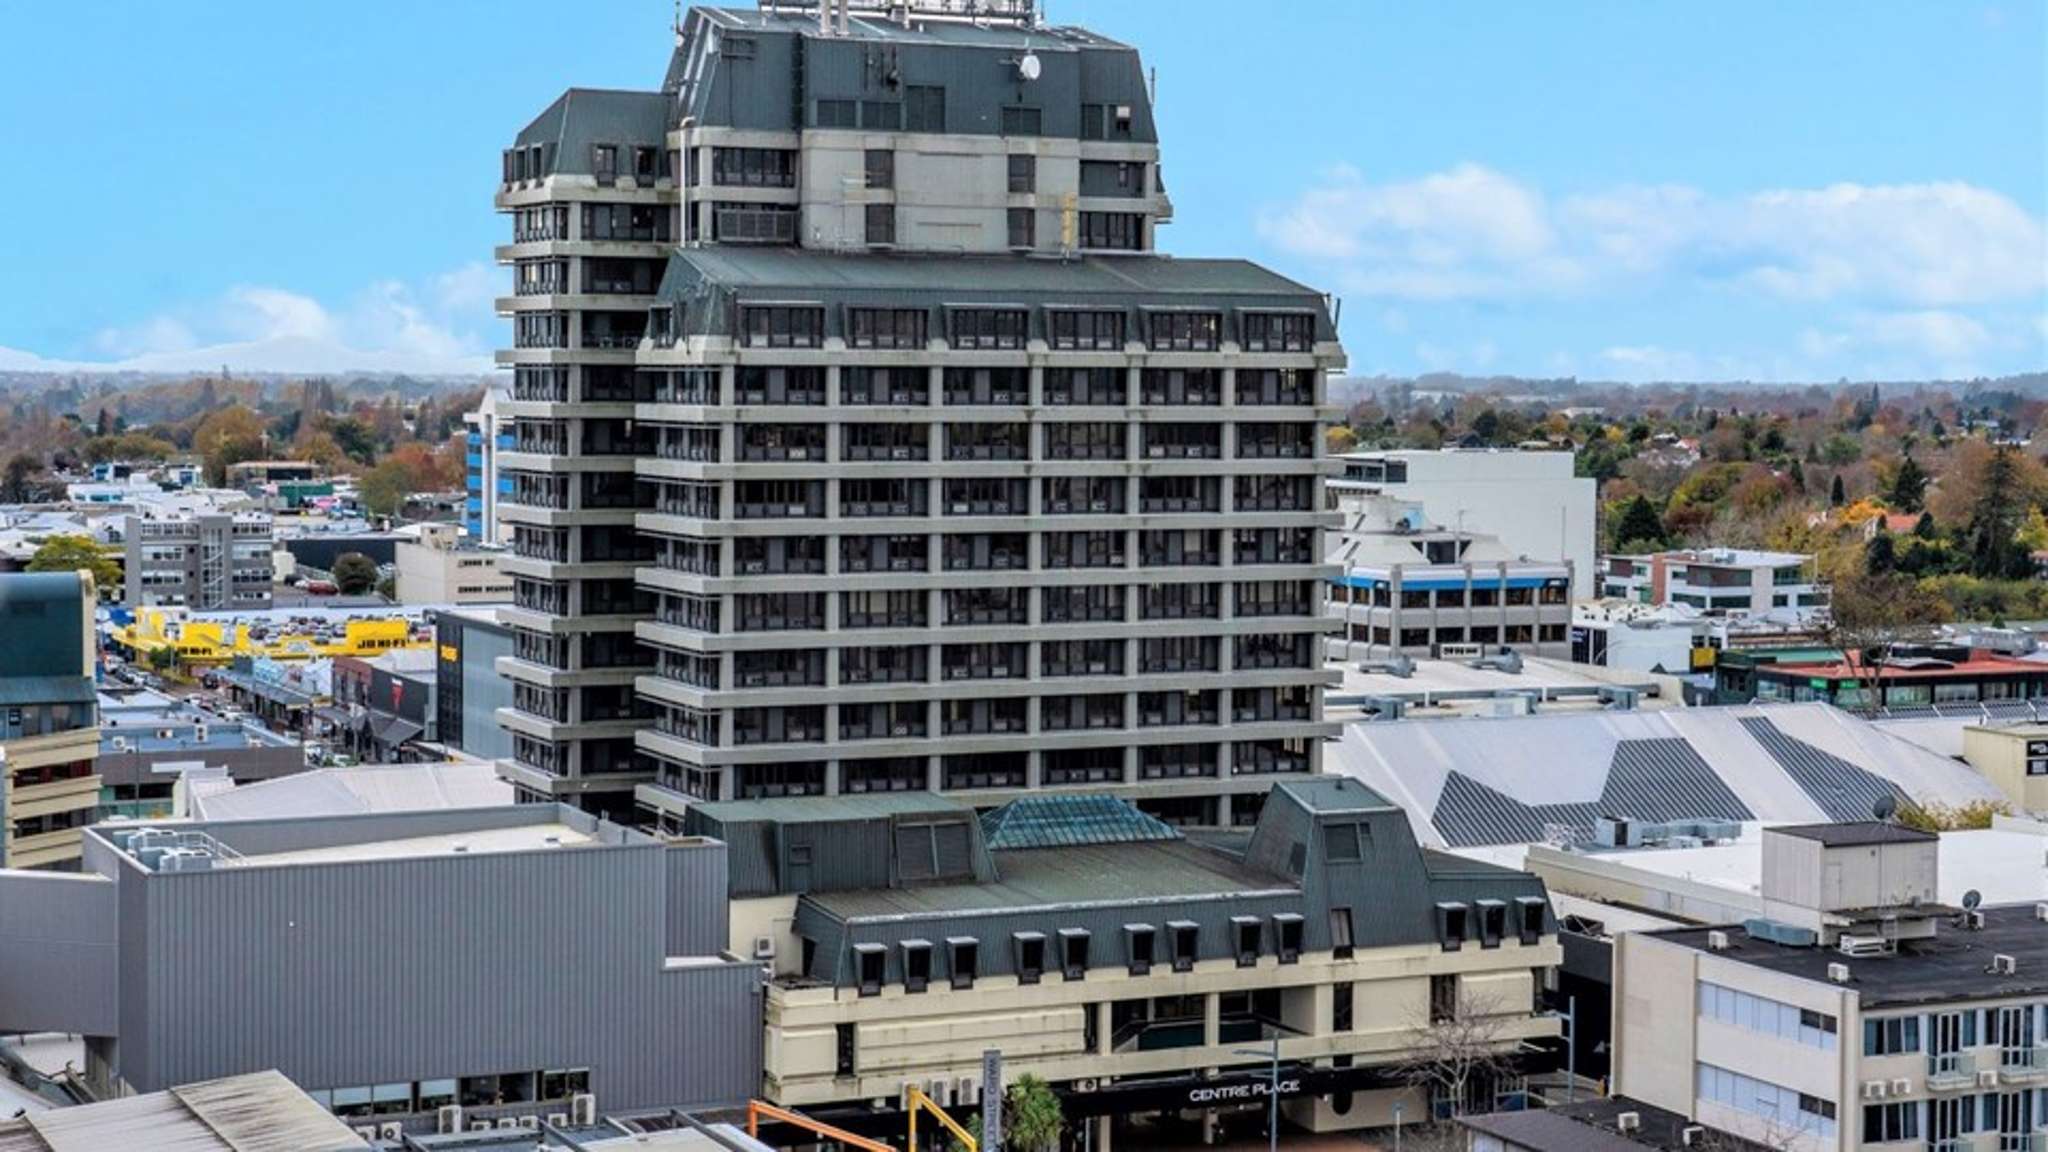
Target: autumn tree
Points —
{"points": [[1871, 612], [18, 479], [228, 436], [73, 553]]}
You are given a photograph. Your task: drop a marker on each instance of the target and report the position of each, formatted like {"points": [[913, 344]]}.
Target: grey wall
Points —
{"points": [[484, 691], [698, 913], [58, 976]]}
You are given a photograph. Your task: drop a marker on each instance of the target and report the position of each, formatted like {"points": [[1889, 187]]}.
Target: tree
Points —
{"points": [[68, 553], [1462, 1051], [1340, 439], [354, 573], [1868, 614], [17, 481], [1924, 529], [163, 659], [227, 436], [1798, 475], [1993, 532], [1639, 521], [1032, 1120], [1837, 495], [1909, 486], [1878, 555]]}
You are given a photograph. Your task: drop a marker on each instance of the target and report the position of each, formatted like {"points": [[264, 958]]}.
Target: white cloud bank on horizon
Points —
{"points": [[1934, 276], [429, 330]]}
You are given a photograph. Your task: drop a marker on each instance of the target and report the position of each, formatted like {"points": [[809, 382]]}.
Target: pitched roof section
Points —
{"points": [[1841, 789], [582, 117], [1070, 821]]}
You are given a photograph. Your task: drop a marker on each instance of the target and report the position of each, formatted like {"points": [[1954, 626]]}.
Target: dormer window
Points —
{"points": [[1493, 922], [1138, 948], [963, 955], [1287, 937], [1340, 934], [1344, 843], [1074, 953], [870, 963], [1247, 930], [1451, 925], [1186, 935], [604, 161], [917, 965], [1529, 919], [1030, 956]]}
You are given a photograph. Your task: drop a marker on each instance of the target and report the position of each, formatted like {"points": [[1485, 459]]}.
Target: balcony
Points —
{"points": [[1951, 1072], [2023, 1065]]}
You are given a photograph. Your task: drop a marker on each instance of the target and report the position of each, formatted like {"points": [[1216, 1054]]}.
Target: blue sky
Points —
{"points": [[1613, 190]]}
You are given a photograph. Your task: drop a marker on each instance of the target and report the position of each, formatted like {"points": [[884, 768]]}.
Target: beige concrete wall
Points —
{"points": [[2000, 754], [1655, 1009]]}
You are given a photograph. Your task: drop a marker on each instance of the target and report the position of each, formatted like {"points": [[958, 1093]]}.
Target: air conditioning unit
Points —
{"points": [[1717, 941], [1873, 1089], [2003, 965], [507, 1124], [1691, 1134], [1901, 1086], [1628, 1122], [1973, 920], [966, 1091], [448, 1119], [479, 1125], [1987, 1079], [366, 1131], [1838, 973], [558, 1119], [764, 947], [530, 1123], [391, 1131], [583, 1110]]}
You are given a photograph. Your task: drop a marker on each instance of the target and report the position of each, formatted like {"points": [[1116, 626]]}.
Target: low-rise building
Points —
{"points": [[2015, 758], [1859, 1010], [1123, 963], [1492, 687], [468, 691], [233, 1114], [205, 561], [148, 740], [1531, 501], [1716, 581], [49, 733], [387, 702], [255, 473], [526, 960], [1909, 678], [1604, 1124], [1409, 587], [440, 565]]}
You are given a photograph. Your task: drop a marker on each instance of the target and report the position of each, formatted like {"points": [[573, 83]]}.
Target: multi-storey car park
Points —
{"points": [[861, 443]]}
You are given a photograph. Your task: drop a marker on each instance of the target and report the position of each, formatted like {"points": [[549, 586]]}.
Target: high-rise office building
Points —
{"points": [[862, 443]]}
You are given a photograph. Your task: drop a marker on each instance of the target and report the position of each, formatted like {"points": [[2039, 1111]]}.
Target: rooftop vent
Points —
{"points": [[1691, 1134], [2041, 912], [459, 847]]}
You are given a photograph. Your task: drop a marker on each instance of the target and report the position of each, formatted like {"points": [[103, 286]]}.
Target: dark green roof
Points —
{"points": [[582, 117], [44, 620], [1052, 821], [827, 809], [984, 277], [1334, 794]]}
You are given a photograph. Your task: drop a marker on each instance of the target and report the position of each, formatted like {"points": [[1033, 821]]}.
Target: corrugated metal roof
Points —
{"points": [[996, 277], [826, 809], [1067, 821], [1841, 789], [376, 788], [259, 1112]]}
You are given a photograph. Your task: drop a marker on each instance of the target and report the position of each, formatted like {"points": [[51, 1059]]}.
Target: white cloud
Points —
{"points": [[1474, 233], [388, 327]]}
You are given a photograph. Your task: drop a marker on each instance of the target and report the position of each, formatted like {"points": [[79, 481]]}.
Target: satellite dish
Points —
{"points": [[1972, 898], [1885, 807], [1028, 66]]}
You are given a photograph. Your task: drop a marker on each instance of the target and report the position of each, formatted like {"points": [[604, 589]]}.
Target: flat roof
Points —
{"points": [[1857, 834], [1163, 871], [1955, 965], [1431, 677], [802, 270], [1594, 1126], [525, 838], [824, 809]]}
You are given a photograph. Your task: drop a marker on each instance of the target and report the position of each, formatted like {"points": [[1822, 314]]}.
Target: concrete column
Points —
{"points": [[1100, 1141], [1212, 1019]]}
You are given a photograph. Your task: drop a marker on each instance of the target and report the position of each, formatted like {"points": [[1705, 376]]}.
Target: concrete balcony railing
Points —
{"points": [[2023, 1065], [1951, 1072]]}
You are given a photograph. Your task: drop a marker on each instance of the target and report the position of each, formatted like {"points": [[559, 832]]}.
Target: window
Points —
{"points": [[1769, 1101], [604, 161], [924, 108], [881, 168], [1074, 953], [963, 956], [1087, 330], [1023, 228], [1287, 937], [989, 327], [753, 167], [1020, 121], [1030, 956], [1891, 1123], [1023, 173], [1138, 948], [782, 326], [847, 1051], [1493, 922], [1278, 331], [1248, 930], [1340, 1008], [1766, 1016], [881, 224], [886, 327], [870, 960], [881, 115], [1340, 933], [917, 965], [1113, 231], [835, 114], [1531, 923], [1186, 937], [1443, 999], [1450, 925], [1890, 1036], [1344, 843], [1186, 331]]}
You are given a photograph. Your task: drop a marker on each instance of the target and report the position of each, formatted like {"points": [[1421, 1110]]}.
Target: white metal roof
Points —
{"points": [[259, 1112], [373, 788]]}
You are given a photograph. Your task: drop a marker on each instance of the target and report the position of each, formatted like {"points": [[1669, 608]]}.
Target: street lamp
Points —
{"points": [[1397, 1126], [1272, 1052]]}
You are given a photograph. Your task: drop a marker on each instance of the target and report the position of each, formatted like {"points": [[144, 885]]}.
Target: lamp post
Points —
{"points": [[1397, 1126], [1273, 1093]]}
